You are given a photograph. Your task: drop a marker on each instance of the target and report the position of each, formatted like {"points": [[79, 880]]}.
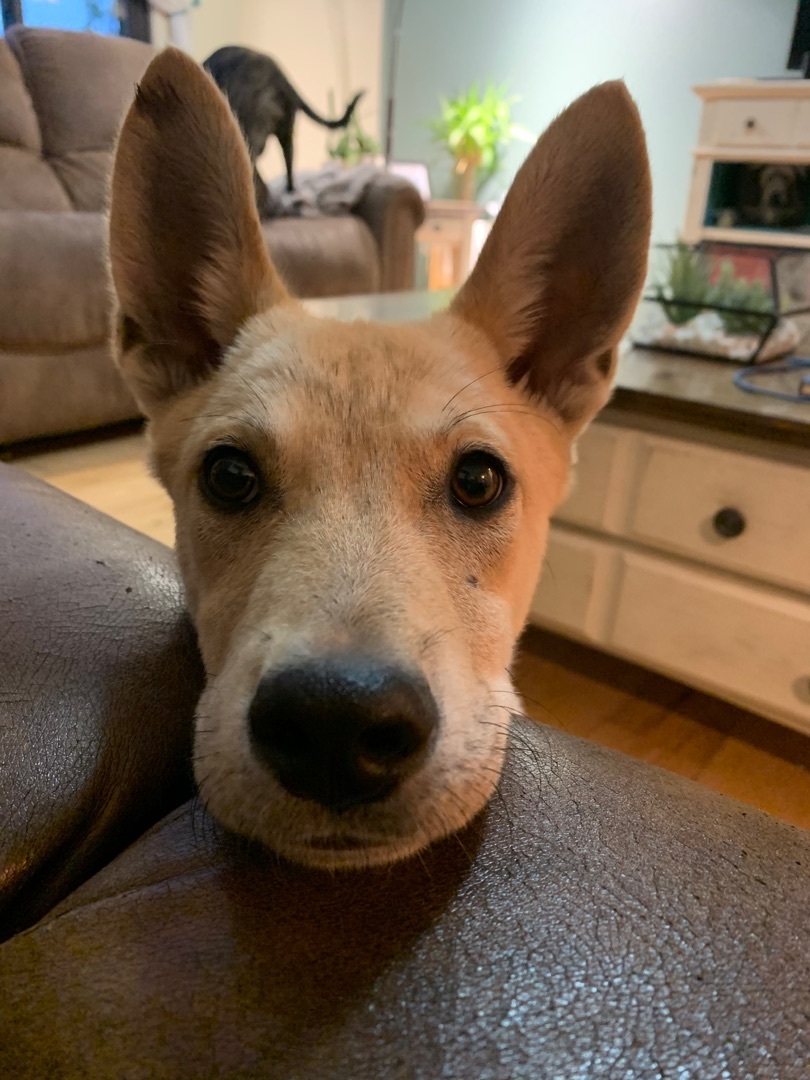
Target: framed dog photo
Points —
{"points": [[416, 172]]}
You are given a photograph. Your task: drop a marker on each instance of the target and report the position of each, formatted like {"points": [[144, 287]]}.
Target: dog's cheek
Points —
{"points": [[217, 614], [490, 636], [494, 592]]}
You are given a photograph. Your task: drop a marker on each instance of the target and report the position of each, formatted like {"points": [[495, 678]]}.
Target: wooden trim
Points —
{"points": [[754, 89], [756, 237], [766, 155]]}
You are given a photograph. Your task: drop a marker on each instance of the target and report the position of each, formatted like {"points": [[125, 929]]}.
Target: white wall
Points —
{"points": [[319, 44], [549, 51]]}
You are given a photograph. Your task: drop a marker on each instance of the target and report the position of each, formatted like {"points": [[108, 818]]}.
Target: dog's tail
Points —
{"points": [[342, 122]]}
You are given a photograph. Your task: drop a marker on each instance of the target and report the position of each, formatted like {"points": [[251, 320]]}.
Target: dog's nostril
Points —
{"points": [[291, 740], [387, 744]]}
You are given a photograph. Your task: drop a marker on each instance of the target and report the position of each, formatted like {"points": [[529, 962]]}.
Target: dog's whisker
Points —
{"points": [[244, 418], [251, 389], [265, 635], [512, 408], [505, 407], [472, 382], [435, 636], [425, 866]]}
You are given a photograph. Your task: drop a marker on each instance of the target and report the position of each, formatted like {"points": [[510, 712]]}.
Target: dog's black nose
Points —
{"points": [[342, 731]]}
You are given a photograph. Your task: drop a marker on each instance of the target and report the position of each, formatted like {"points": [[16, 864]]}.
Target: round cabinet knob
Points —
{"points": [[750, 123], [728, 523]]}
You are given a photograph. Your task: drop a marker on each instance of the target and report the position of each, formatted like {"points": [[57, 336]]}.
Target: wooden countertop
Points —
{"points": [[692, 389]]}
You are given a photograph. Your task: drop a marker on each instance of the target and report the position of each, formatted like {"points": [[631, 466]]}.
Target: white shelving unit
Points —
{"points": [[750, 121]]}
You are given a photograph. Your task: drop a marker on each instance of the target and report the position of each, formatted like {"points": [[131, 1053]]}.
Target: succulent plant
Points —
{"points": [[686, 283], [751, 298], [687, 289]]}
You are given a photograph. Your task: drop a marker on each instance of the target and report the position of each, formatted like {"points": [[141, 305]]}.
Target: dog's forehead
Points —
{"points": [[351, 373]]}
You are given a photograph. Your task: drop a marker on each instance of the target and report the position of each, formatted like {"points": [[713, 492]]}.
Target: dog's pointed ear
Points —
{"points": [[188, 259], [558, 279]]}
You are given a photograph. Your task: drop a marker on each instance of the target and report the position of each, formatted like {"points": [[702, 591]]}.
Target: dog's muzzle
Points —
{"points": [[343, 730]]}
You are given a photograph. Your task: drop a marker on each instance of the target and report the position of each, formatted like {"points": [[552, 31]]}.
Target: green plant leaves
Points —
{"points": [[686, 288], [353, 144], [478, 126]]}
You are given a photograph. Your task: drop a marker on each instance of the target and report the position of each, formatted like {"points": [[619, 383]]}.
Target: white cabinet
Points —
{"points": [[748, 121], [690, 553], [592, 500], [576, 586]]}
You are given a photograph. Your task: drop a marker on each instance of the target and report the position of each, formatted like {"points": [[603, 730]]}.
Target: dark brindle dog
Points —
{"points": [[264, 102]]}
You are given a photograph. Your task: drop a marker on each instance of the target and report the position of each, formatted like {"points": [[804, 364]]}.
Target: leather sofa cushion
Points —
{"points": [[99, 677], [80, 85], [26, 180], [55, 289]]}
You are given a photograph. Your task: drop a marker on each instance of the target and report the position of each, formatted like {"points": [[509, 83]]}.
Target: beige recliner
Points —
{"points": [[62, 97]]}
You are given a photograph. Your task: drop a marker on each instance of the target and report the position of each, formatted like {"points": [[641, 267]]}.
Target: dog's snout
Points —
{"points": [[342, 731]]}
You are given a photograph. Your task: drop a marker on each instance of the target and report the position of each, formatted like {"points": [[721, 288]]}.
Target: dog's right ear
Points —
{"points": [[187, 255], [559, 276]]}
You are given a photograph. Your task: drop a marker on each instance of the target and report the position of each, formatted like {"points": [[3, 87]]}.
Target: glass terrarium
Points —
{"points": [[725, 301]]}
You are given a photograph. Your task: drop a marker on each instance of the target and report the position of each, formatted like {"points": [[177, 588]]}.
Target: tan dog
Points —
{"points": [[362, 509]]}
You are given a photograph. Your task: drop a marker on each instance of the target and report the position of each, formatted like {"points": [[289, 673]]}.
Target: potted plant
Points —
{"points": [[475, 128]]}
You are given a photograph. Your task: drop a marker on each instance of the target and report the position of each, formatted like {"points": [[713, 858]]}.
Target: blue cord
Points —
{"points": [[794, 363]]}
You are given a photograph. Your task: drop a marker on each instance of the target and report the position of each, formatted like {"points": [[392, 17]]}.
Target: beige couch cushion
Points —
{"points": [[80, 85], [26, 181], [54, 292], [45, 394], [324, 256]]}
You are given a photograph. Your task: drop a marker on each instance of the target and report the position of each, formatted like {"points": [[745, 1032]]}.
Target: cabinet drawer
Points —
{"points": [[746, 643], [576, 585], [682, 488], [566, 583], [592, 476], [743, 122]]}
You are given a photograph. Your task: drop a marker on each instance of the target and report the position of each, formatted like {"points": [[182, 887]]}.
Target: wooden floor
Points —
{"points": [[570, 686], [111, 475]]}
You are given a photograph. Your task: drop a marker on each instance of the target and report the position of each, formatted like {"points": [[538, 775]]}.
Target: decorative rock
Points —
{"points": [[705, 336]]}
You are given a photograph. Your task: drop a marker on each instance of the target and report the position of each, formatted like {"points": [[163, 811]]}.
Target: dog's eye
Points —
{"points": [[478, 480], [229, 478]]}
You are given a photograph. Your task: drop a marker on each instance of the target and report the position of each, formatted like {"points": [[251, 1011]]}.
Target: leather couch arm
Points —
{"points": [[99, 677], [393, 210], [604, 919]]}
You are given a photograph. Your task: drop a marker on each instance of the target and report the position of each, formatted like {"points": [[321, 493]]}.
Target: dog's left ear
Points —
{"points": [[188, 258], [558, 279]]}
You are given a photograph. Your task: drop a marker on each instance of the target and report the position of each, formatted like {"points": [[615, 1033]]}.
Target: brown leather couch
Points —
{"points": [[62, 96], [604, 919]]}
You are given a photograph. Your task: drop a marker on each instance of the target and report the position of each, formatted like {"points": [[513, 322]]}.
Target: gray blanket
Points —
{"points": [[331, 190]]}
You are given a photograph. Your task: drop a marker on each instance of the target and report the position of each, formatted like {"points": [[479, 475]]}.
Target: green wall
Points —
{"points": [[550, 51]]}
